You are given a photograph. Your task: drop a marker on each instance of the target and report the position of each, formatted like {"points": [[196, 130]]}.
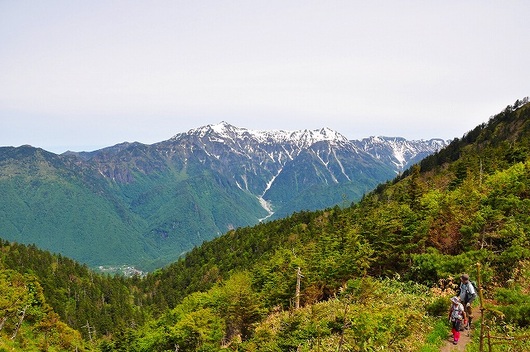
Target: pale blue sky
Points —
{"points": [[82, 75]]}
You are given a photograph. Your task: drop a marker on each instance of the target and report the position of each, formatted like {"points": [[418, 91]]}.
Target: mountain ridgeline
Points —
{"points": [[376, 275], [146, 205]]}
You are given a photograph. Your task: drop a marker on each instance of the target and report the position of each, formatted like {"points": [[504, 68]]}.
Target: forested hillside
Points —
{"points": [[144, 206], [450, 203], [79, 297], [377, 274]]}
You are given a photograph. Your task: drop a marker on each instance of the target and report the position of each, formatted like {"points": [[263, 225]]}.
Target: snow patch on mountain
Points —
{"points": [[399, 151], [280, 146], [267, 206], [302, 138]]}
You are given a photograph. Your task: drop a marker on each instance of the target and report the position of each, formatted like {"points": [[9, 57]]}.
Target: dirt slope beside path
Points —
{"points": [[465, 336]]}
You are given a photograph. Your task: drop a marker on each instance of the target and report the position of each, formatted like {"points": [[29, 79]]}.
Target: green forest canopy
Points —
{"points": [[365, 267]]}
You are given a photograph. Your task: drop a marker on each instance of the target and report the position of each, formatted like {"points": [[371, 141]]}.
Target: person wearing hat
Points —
{"points": [[467, 294], [457, 316]]}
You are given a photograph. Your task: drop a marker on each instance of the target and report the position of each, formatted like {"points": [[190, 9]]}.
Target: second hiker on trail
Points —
{"points": [[457, 317], [467, 295]]}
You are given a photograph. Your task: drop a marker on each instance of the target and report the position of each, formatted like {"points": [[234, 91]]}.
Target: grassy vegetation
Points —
{"points": [[376, 275]]}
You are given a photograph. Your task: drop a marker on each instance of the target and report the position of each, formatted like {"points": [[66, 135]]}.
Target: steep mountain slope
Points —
{"points": [[146, 205], [466, 204], [434, 206], [50, 201], [398, 151]]}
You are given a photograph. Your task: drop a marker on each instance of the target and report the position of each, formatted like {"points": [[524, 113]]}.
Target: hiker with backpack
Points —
{"points": [[457, 317], [467, 295]]}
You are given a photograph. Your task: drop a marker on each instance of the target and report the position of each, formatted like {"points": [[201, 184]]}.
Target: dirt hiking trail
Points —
{"points": [[465, 336]]}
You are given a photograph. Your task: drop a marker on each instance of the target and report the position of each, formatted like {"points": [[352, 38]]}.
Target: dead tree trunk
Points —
{"points": [[299, 276], [20, 320], [2, 322]]}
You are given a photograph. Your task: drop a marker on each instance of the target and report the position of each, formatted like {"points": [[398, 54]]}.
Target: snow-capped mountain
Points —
{"points": [[283, 168], [398, 151], [255, 159], [157, 201], [303, 138]]}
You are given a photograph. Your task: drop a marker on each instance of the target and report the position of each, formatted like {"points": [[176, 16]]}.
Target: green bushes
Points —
{"points": [[515, 306], [368, 315], [438, 307], [430, 267]]}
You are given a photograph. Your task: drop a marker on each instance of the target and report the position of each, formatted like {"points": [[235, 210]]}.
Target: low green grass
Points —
{"points": [[436, 338]]}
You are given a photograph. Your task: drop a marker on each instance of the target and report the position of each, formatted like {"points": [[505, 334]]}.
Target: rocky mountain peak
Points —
{"points": [[177, 193], [399, 151], [301, 138]]}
